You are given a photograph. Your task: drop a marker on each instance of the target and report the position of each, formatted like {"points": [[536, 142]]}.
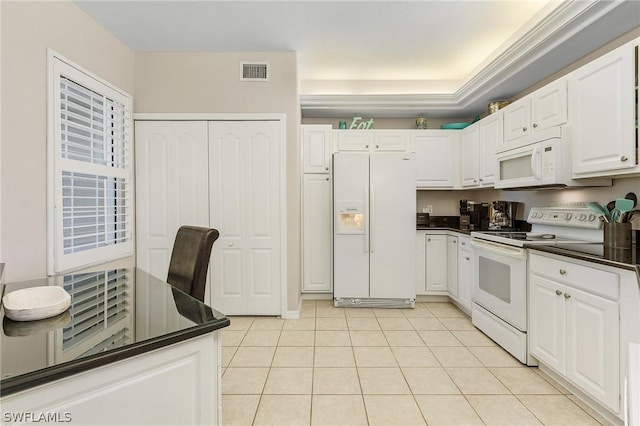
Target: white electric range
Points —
{"points": [[500, 270]]}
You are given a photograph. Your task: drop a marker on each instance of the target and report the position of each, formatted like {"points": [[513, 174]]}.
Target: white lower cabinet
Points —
{"points": [[316, 233], [176, 384], [572, 329], [436, 263], [452, 265], [465, 271]]}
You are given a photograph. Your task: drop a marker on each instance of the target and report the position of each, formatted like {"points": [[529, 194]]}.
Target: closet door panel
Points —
{"points": [[172, 187]]}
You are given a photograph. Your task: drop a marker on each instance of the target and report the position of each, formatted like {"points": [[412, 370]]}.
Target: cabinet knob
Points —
{"points": [[366, 146], [623, 158], [464, 244], [535, 125], [326, 168], [230, 244], [327, 179], [377, 146], [558, 292], [567, 295], [467, 258], [563, 272], [454, 241], [480, 179], [475, 180], [524, 129], [428, 239]]}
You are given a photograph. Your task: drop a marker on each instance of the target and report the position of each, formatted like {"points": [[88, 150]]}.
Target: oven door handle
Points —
{"points": [[501, 249]]}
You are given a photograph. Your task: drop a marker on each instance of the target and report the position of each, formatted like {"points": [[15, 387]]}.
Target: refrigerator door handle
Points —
{"points": [[366, 219], [372, 222]]}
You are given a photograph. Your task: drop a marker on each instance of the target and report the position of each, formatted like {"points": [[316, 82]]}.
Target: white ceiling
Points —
{"points": [[362, 51]]}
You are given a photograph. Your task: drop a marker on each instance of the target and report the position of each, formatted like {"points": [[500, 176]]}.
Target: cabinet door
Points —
{"points": [[421, 267], [316, 149], [547, 322], [469, 163], [316, 233], [436, 262], [391, 140], [452, 265], [465, 271], [354, 140], [517, 119], [435, 158], [549, 105], [593, 345], [489, 138], [602, 102]]}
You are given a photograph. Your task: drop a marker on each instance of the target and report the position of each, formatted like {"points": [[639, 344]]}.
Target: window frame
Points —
{"points": [[57, 261]]}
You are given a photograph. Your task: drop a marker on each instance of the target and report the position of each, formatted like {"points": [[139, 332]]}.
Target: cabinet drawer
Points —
{"points": [[595, 281]]}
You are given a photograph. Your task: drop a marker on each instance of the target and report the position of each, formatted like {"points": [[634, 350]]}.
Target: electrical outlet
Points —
{"points": [[429, 209]]}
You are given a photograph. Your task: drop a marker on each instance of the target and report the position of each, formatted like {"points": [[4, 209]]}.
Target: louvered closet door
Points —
{"points": [[245, 188], [172, 187]]}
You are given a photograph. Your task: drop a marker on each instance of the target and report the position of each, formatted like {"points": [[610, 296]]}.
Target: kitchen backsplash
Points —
{"points": [[447, 202]]}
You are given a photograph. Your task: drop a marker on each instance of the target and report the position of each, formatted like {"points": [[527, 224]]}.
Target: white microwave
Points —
{"points": [[545, 161]]}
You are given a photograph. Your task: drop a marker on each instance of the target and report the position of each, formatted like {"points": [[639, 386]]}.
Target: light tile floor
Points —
{"points": [[359, 366]]}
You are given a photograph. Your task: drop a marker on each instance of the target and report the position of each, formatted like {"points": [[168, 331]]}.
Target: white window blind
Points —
{"points": [[91, 179]]}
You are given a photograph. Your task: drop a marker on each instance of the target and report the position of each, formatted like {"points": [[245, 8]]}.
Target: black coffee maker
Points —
{"points": [[473, 215]]}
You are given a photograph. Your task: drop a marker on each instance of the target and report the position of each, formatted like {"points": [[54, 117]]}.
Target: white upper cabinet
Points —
{"points": [[372, 140], [602, 97], [469, 164], [436, 162], [354, 140], [316, 148], [542, 109], [490, 136], [391, 140]]}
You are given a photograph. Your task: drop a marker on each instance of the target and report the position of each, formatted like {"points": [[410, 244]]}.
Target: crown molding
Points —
{"points": [[548, 44]]}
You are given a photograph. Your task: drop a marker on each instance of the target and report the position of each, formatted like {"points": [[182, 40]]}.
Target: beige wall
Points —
{"points": [[28, 29], [209, 82]]}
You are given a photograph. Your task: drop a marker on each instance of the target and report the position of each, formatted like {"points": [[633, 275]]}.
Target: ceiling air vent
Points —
{"points": [[254, 71]]}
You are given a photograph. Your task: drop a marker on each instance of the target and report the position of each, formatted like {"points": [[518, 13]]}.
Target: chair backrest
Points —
{"points": [[190, 259]]}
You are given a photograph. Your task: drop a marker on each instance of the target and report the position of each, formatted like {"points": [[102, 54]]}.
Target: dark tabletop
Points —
{"points": [[114, 314]]}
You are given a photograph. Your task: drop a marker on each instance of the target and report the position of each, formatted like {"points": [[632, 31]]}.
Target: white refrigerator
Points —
{"points": [[374, 229]]}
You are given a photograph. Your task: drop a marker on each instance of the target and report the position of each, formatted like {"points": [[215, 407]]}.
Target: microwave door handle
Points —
{"points": [[366, 219], [535, 163]]}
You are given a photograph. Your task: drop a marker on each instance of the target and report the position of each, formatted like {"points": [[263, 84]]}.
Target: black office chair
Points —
{"points": [[190, 259]]}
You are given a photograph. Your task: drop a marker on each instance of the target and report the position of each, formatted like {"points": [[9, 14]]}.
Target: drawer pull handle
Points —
{"points": [[623, 158], [464, 244], [567, 295], [563, 272], [326, 168], [366, 146], [467, 258], [327, 179], [524, 129], [535, 125], [558, 292]]}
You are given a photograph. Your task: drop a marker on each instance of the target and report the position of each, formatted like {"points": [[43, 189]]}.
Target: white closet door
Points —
{"points": [[245, 189], [172, 187]]}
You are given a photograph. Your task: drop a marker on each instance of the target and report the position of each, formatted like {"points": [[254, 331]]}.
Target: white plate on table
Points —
{"points": [[35, 303]]}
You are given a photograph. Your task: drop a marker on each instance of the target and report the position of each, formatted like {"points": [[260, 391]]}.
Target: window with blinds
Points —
{"points": [[91, 179]]}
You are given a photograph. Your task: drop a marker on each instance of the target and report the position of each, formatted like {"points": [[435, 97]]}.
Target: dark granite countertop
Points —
{"points": [[114, 315], [442, 228], [597, 253]]}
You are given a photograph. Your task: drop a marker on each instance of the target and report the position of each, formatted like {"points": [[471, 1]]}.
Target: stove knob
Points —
{"points": [[583, 217], [568, 216], [592, 217]]}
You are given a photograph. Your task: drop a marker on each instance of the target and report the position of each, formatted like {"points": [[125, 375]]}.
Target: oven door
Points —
{"points": [[500, 281]]}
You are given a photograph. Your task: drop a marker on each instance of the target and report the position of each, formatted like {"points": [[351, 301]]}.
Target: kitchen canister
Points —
{"points": [[421, 123], [617, 235]]}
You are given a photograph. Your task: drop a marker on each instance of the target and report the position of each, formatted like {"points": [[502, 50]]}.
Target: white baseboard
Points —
{"points": [[317, 296]]}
